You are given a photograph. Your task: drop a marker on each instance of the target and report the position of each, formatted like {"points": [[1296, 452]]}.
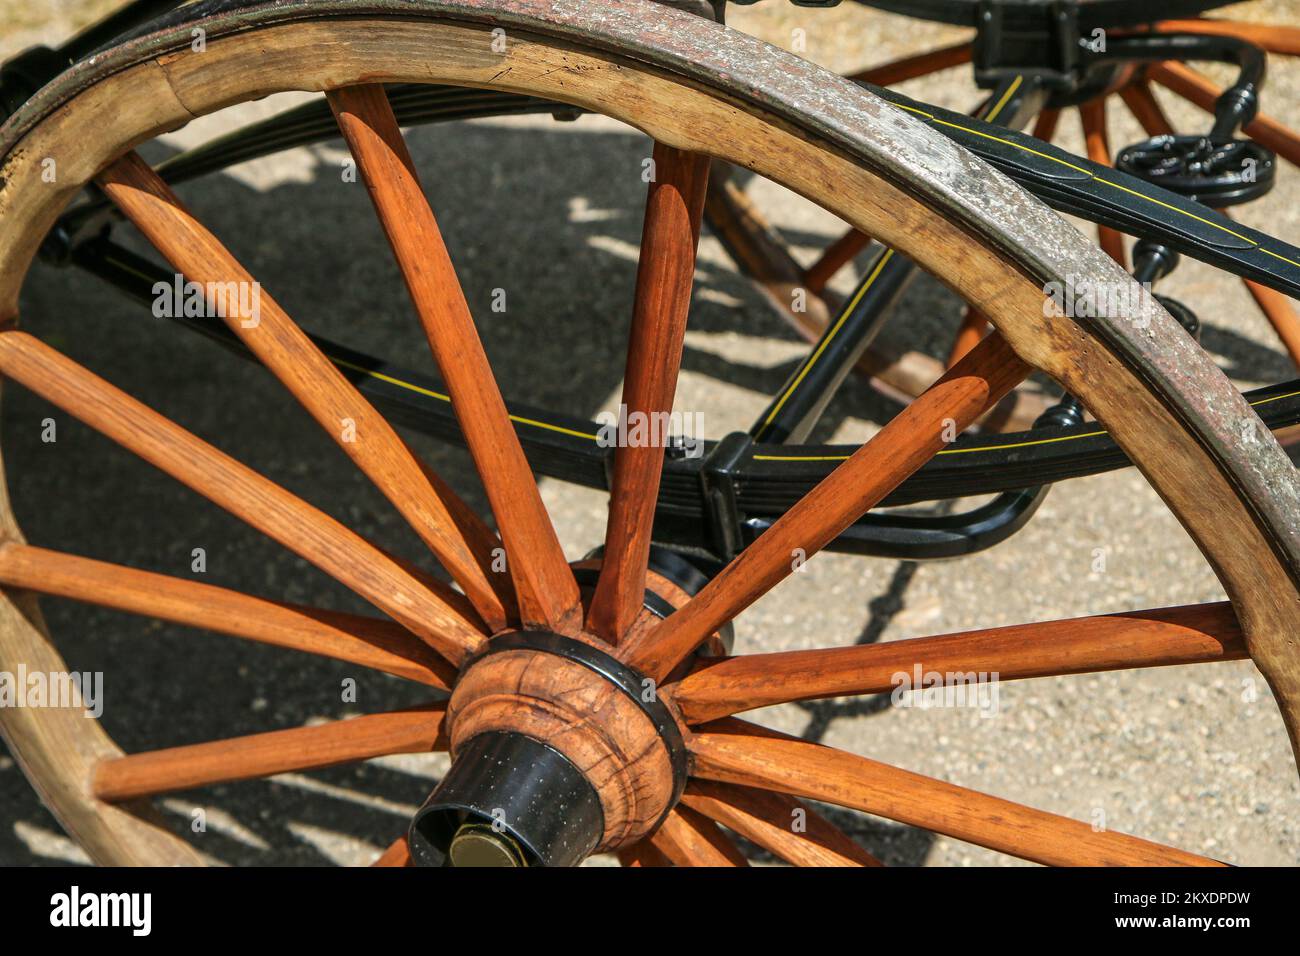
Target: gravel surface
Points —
{"points": [[1195, 757]]}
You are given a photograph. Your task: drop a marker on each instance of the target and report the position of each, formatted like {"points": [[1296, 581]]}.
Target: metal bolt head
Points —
{"points": [[478, 844]]}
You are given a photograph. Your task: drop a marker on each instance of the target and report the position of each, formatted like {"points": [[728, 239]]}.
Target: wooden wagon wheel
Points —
{"points": [[642, 742]]}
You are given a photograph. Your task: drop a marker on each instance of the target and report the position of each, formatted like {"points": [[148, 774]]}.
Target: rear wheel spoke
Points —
{"points": [[1045, 125], [834, 258], [462, 543], [1281, 314], [1146, 109], [969, 389], [972, 329], [544, 585], [1093, 115], [916, 66], [1195, 87], [735, 752], [417, 730]]}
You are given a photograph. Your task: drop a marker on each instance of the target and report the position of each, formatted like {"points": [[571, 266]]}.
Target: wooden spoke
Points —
{"points": [[416, 730], [308, 532], [778, 823], [544, 585], [1195, 634], [1144, 106], [965, 392], [913, 67], [397, 854], [1268, 37], [972, 329], [835, 257], [1045, 125], [461, 542], [740, 753], [665, 275], [688, 838], [1093, 114], [642, 854], [1193, 86], [1281, 314], [370, 642]]}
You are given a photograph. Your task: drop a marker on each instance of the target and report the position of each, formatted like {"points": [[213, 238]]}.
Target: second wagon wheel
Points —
{"points": [[579, 724], [1033, 65]]}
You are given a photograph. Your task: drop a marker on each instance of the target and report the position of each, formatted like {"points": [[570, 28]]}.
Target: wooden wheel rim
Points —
{"points": [[1162, 399]]}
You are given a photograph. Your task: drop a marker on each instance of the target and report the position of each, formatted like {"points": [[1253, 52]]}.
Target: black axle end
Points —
{"points": [[508, 800]]}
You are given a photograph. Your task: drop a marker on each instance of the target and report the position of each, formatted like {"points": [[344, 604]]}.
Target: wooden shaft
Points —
{"points": [[1093, 114], [972, 329], [367, 641], [835, 257], [1144, 106], [308, 532], [688, 838], [544, 586], [1045, 125], [938, 415], [1281, 314], [752, 756], [777, 822], [1194, 634], [915, 66], [670, 234], [1271, 38], [417, 730], [460, 541]]}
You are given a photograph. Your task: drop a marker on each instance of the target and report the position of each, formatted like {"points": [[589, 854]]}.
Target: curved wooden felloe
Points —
{"points": [[698, 88]]}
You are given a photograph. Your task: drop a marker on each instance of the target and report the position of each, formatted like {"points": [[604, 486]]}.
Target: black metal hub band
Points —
{"points": [[632, 683], [512, 800]]}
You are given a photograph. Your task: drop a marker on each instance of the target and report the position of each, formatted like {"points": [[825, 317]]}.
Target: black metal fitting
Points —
{"points": [[722, 510], [1217, 172], [1047, 47], [508, 800], [1239, 103], [1152, 261]]}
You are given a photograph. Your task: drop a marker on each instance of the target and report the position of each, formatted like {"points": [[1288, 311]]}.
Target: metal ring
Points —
{"points": [[617, 673]]}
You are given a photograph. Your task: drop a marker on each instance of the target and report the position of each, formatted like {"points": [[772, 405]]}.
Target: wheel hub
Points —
{"points": [[558, 750]]}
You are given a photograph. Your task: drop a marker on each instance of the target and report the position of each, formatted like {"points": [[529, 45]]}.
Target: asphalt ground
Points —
{"points": [[1193, 756]]}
